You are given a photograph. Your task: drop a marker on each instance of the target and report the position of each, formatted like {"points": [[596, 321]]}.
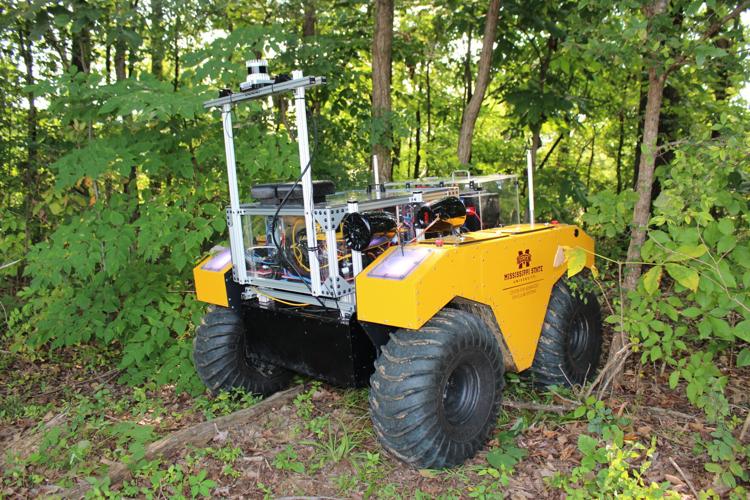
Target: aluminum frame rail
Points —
{"points": [[298, 84], [273, 89]]}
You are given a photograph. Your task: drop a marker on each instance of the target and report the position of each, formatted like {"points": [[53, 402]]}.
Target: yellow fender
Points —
{"points": [[510, 269]]}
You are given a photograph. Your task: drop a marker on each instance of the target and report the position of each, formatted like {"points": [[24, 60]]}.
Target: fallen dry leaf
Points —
{"points": [[673, 479]]}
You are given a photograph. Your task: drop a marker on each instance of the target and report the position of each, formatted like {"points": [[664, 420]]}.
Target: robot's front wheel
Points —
{"points": [[436, 392], [222, 361]]}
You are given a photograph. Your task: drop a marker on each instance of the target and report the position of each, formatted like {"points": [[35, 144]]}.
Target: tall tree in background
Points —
{"points": [[657, 78], [382, 56], [471, 112], [158, 48], [308, 24], [658, 72]]}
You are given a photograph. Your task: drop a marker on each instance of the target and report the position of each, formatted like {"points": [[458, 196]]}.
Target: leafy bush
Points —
{"points": [[610, 471], [694, 303], [139, 198]]}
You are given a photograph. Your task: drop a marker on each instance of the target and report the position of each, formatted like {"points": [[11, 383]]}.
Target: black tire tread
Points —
{"points": [[403, 406], [551, 366], [220, 360]]}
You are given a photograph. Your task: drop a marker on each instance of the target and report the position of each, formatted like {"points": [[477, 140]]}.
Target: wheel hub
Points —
{"points": [[461, 394], [578, 340]]}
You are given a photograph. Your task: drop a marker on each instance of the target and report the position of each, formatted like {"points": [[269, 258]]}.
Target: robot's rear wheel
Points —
{"points": [[570, 344], [221, 359]]}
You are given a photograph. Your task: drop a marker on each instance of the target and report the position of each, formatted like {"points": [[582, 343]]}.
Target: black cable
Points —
{"points": [[284, 200]]}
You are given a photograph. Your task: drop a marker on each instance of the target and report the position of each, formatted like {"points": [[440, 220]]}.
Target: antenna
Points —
{"points": [[530, 174]]}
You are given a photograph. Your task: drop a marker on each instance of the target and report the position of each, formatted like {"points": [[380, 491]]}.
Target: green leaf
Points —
{"points": [[742, 330], [674, 378], [691, 312], [726, 243], [576, 260], [656, 353], [505, 458], [587, 444], [743, 359], [116, 218], [726, 226], [711, 467], [651, 279], [687, 252], [578, 412], [728, 479], [683, 275]]}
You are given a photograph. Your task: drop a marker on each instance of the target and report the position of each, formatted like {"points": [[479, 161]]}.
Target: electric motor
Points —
{"points": [[363, 231], [442, 215]]}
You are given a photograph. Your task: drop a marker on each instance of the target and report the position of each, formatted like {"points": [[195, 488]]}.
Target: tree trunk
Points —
{"points": [[467, 71], [176, 50], [132, 59], [30, 168], [80, 50], [536, 129], [382, 43], [429, 115], [639, 132], [120, 56], [483, 79], [157, 38], [669, 131], [642, 210], [108, 63], [417, 140], [308, 24], [591, 158], [620, 142]]}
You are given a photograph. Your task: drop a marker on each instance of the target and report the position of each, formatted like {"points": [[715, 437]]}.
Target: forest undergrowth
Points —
{"points": [[645, 440]]}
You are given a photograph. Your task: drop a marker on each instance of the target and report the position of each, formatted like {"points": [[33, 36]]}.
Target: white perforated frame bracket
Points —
{"points": [[234, 221]]}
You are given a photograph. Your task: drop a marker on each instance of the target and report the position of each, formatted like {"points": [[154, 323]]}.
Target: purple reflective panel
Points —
{"points": [[398, 266], [218, 261]]}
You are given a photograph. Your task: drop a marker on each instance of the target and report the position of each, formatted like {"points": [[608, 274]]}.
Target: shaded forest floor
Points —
{"points": [[317, 444]]}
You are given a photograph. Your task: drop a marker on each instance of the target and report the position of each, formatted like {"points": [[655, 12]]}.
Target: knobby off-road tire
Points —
{"points": [[571, 341], [222, 361], [436, 392]]}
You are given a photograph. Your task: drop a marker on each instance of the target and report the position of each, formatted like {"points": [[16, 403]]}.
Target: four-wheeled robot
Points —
{"points": [[428, 290]]}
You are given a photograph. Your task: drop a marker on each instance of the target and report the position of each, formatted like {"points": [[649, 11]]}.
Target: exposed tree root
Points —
{"points": [[196, 435]]}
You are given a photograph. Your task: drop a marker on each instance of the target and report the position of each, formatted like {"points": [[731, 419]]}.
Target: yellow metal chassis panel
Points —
{"points": [[211, 286], [511, 269]]}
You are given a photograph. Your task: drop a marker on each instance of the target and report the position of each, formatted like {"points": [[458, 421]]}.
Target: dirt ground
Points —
{"points": [[319, 444]]}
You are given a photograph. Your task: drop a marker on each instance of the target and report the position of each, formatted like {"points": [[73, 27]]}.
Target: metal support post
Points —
{"points": [[376, 176], [234, 221], [307, 186], [353, 207], [530, 174]]}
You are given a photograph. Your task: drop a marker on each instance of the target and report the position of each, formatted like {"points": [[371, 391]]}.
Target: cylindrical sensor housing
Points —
{"points": [[360, 230], [257, 75], [441, 215]]}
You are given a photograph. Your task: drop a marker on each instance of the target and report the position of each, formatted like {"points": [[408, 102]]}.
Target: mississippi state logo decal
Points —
{"points": [[523, 259], [524, 268]]}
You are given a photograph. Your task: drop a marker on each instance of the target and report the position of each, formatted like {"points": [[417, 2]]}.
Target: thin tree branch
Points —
{"points": [[9, 264], [554, 145], [711, 31]]}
